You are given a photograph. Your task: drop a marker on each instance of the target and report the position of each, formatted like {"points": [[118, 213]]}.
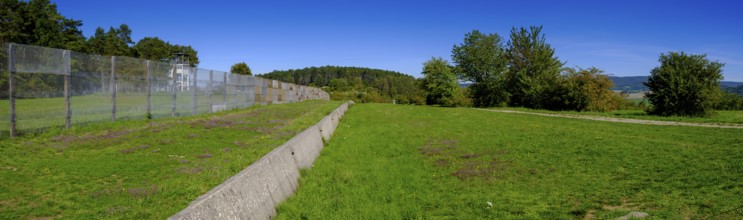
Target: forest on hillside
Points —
{"points": [[355, 83]]}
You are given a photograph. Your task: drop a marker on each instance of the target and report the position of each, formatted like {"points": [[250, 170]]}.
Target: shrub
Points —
{"points": [[684, 85], [584, 90]]}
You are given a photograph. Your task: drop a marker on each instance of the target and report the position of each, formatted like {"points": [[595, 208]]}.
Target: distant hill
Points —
{"points": [[634, 83], [737, 90], [730, 84], [357, 83], [629, 83]]}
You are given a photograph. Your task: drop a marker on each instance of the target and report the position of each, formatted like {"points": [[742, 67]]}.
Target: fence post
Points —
{"points": [[224, 96], [246, 85], [149, 90], [11, 87], [112, 87], [67, 72], [235, 89], [209, 90], [195, 87], [175, 90]]}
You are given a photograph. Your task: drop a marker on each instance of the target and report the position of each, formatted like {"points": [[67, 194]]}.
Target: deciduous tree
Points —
{"points": [[480, 59], [241, 68], [684, 84], [439, 82], [533, 68]]}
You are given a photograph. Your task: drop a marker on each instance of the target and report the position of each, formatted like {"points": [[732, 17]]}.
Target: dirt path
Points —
{"points": [[620, 120]]}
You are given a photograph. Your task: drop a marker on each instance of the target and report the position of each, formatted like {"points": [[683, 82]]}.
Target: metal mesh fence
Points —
{"points": [[45, 87]]}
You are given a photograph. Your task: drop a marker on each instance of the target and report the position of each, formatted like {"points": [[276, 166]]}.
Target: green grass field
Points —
{"points": [[34, 115], [719, 117], [405, 162], [140, 169]]}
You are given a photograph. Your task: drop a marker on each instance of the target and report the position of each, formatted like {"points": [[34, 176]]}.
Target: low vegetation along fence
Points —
{"points": [[44, 87]]}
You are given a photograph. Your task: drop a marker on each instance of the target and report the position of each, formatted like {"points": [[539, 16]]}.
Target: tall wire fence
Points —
{"points": [[45, 87]]}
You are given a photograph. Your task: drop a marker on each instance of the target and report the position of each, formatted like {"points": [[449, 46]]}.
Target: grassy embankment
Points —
{"points": [[395, 161], [140, 169]]}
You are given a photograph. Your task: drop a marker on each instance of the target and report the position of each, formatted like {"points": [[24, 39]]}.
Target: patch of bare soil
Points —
{"points": [[433, 148], [483, 165], [109, 135], [493, 169]]}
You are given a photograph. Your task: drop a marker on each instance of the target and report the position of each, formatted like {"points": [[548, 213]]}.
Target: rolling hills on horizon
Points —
{"points": [[634, 83]]}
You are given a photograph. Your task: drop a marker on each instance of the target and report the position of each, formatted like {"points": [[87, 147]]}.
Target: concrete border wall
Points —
{"points": [[255, 191]]}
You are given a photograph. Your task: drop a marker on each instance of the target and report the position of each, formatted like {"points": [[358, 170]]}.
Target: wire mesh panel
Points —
{"points": [[264, 91], [4, 101], [33, 59], [185, 86], [39, 87], [53, 87], [161, 90], [130, 85], [249, 88], [90, 88], [238, 90], [258, 88], [219, 91], [202, 91]]}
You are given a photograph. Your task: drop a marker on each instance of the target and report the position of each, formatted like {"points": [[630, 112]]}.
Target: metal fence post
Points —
{"points": [[195, 87], [66, 72], [209, 90], [224, 96], [175, 91], [11, 87], [246, 85], [149, 90], [112, 87]]}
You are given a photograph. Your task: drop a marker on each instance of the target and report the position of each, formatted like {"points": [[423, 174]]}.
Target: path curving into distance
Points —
{"points": [[619, 120]]}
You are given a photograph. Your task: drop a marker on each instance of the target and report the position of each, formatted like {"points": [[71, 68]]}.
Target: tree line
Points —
{"points": [[355, 83], [37, 22], [524, 72], [520, 72]]}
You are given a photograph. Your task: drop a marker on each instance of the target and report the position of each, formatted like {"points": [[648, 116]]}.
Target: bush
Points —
{"points": [[684, 85], [584, 90], [730, 101]]}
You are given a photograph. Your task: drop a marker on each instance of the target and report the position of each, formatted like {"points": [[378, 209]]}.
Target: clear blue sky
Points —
{"points": [[624, 37]]}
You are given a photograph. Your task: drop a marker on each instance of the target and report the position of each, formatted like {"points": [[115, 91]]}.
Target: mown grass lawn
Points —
{"points": [[402, 162], [718, 117], [140, 169], [35, 115]]}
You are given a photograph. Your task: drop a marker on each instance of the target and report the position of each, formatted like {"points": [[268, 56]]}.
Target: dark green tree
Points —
{"points": [[533, 68], [241, 68], [192, 55], [37, 22], [440, 83], [115, 42], [153, 48], [480, 59], [684, 85]]}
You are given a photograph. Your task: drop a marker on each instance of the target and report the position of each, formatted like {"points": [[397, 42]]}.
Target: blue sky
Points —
{"points": [[624, 38]]}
